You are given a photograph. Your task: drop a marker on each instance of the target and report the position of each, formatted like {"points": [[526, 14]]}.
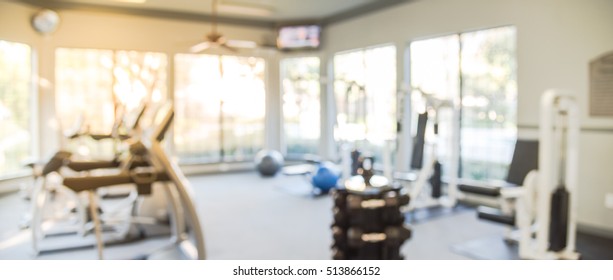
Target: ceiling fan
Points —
{"points": [[215, 39]]}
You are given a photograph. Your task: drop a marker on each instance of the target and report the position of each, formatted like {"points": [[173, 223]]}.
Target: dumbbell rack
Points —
{"points": [[368, 222]]}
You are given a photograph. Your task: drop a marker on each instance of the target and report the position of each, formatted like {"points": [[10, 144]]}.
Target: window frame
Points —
{"points": [[284, 143], [105, 149], [459, 34], [219, 161], [34, 121], [332, 92]]}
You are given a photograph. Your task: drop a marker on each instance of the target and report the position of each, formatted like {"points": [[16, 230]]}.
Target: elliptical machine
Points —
{"points": [[60, 220], [187, 238]]}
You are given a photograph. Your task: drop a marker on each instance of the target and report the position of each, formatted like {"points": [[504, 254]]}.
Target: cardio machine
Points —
{"points": [[187, 239]]}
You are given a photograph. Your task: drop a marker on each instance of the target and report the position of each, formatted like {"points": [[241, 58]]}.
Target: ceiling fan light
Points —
{"points": [[242, 44]]}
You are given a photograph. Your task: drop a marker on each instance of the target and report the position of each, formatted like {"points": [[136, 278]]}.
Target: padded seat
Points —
{"points": [[492, 188], [525, 159], [480, 190], [495, 215]]}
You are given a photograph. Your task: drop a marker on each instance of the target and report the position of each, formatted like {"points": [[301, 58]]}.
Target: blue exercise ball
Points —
{"points": [[268, 162], [326, 177]]}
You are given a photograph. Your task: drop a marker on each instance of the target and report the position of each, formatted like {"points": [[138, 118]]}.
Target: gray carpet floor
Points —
{"points": [[249, 217]]}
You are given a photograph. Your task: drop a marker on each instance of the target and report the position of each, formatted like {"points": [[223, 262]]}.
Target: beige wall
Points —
{"points": [[85, 29], [555, 41], [115, 31]]}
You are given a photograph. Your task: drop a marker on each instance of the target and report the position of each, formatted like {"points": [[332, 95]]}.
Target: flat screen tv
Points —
{"points": [[299, 37]]}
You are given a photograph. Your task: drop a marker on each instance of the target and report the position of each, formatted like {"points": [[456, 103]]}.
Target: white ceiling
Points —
{"points": [[268, 10]]}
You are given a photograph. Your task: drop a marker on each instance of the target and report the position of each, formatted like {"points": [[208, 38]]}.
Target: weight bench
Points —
{"points": [[525, 159]]}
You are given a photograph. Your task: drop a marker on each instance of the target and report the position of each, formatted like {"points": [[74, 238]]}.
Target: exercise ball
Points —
{"points": [[268, 162], [326, 176]]}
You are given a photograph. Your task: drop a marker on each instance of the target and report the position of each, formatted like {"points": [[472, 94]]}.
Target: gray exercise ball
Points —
{"points": [[268, 162]]}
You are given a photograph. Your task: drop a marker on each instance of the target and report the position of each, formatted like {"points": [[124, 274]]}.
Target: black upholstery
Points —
{"points": [[493, 191], [525, 159], [417, 157], [495, 215]]}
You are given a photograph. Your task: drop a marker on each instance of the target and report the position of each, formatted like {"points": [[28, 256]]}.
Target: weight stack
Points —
{"points": [[368, 222]]}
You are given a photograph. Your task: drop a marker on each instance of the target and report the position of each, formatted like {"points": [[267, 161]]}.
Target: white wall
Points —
{"points": [[556, 39]]}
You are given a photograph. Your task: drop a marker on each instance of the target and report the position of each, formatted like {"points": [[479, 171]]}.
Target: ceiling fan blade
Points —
{"points": [[242, 44], [230, 48], [200, 47]]}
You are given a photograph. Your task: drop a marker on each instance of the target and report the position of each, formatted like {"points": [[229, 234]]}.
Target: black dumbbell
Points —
{"points": [[391, 213], [387, 199], [339, 197], [343, 219], [373, 213], [391, 250], [392, 253], [391, 216], [394, 236], [369, 251], [356, 237], [396, 199], [365, 212], [354, 202], [338, 254], [340, 217], [339, 236], [397, 235]]}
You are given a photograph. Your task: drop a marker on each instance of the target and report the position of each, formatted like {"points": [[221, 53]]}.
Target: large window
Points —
{"points": [[480, 68], [16, 107], [301, 105], [434, 70], [489, 101], [365, 91], [435, 64], [95, 89], [220, 106]]}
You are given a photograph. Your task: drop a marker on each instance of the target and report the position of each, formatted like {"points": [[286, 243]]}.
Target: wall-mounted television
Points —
{"points": [[294, 37]]}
